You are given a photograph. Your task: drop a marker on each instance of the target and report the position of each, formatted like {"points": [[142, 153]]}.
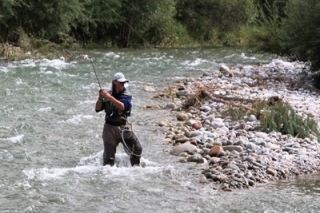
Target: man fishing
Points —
{"points": [[117, 105]]}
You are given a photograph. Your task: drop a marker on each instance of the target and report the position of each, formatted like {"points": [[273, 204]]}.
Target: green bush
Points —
{"points": [[302, 32], [281, 117], [203, 16], [290, 28]]}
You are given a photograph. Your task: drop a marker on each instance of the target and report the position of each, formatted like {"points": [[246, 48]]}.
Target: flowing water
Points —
{"points": [[51, 148]]}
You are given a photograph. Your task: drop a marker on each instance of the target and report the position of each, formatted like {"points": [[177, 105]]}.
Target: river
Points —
{"points": [[51, 148]]}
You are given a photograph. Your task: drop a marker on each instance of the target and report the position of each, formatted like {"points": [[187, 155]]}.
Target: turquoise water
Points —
{"points": [[51, 148]]}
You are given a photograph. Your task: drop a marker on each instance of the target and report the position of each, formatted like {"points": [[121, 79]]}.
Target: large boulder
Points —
{"points": [[185, 147]]}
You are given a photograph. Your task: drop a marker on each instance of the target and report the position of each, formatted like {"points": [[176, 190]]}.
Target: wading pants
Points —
{"points": [[112, 136]]}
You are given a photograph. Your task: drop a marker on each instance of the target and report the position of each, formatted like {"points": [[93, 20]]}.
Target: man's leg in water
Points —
{"points": [[135, 157], [108, 154], [110, 143], [133, 143]]}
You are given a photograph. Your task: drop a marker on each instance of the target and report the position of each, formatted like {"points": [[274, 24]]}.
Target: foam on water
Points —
{"points": [[194, 63], [14, 139], [90, 86], [56, 63], [243, 55], [93, 165], [24, 63], [4, 69], [88, 102], [121, 160], [49, 173], [45, 109], [76, 119], [46, 72], [112, 55]]}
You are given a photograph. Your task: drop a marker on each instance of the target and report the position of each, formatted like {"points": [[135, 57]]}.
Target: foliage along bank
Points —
{"points": [[286, 27]]}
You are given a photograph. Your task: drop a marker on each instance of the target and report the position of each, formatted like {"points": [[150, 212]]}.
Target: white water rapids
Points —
{"points": [[51, 148]]}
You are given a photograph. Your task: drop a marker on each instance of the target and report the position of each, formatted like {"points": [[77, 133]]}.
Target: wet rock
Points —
{"points": [[181, 139], [182, 117], [196, 158], [250, 158], [231, 148], [225, 70], [165, 123], [215, 151], [252, 118], [197, 125], [214, 160], [170, 106], [271, 171], [195, 133], [185, 147], [239, 155], [190, 122], [148, 88], [182, 93]]}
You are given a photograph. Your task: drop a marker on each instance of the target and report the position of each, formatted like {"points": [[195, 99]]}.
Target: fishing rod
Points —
{"points": [[94, 69], [95, 72]]}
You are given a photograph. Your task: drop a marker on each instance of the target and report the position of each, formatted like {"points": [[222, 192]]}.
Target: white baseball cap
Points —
{"points": [[120, 77]]}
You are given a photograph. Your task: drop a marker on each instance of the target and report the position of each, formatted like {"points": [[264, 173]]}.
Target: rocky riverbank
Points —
{"points": [[234, 154]]}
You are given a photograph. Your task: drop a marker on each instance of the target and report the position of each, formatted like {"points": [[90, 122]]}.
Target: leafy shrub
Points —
{"points": [[276, 115], [281, 117]]}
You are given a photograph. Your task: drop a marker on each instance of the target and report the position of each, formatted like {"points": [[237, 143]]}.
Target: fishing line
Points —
{"points": [[129, 151]]}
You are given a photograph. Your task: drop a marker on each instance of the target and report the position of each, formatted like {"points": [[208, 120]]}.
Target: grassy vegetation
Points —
{"points": [[277, 115]]}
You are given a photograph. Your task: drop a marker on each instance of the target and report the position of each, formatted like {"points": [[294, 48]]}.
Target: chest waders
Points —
{"points": [[131, 143]]}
